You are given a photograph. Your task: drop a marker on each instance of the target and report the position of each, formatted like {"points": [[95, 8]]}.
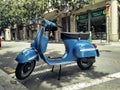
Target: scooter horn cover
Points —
{"points": [[27, 55]]}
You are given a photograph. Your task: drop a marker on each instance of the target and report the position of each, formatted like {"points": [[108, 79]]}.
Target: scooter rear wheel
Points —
{"points": [[85, 63], [23, 70]]}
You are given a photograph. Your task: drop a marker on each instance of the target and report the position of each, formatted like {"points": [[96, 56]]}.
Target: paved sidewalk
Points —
{"points": [[104, 42], [8, 83]]}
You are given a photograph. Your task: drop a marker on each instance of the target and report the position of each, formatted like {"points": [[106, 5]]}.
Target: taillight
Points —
{"points": [[95, 46]]}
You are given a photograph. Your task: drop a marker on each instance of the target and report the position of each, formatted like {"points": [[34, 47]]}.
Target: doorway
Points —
{"points": [[99, 24], [66, 24]]}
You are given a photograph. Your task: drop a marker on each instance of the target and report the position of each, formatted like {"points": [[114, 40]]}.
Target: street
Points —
{"points": [[104, 75]]}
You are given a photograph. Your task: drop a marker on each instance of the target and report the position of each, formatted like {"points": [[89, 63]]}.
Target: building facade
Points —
{"points": [[102, 23], [102, 18], [96, 18]]}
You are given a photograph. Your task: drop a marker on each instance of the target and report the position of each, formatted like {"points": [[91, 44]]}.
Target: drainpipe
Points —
{"points": [[108, 21]]}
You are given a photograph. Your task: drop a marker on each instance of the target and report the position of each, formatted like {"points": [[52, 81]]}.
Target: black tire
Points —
{"points": [[85, 63], [23, 70]]}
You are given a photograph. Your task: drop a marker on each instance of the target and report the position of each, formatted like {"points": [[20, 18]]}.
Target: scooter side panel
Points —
{"points": [[27, 55], [85, 49]]}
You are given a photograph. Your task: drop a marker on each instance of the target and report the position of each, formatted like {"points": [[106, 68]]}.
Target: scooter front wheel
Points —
{"points": [[23, 70], [85, 63]]}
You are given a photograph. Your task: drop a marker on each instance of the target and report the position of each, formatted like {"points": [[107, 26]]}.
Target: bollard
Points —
{"points": [[90, 37]]}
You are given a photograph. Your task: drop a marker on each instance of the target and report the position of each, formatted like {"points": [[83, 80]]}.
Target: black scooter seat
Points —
{"points": [[75, 35]]}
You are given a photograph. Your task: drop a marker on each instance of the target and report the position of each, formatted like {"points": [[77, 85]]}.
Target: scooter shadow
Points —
{"points": [[69, 74]]}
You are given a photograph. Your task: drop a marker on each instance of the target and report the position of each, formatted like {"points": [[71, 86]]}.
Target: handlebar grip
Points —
{"points": [[59, 26]]}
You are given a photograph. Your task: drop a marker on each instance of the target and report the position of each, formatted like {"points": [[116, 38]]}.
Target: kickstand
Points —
{"points": [[52, 68], [59, 73]]}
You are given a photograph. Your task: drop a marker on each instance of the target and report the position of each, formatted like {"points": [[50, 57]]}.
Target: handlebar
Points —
{"points": [[52, 23], [59, 26], [49, 25]]}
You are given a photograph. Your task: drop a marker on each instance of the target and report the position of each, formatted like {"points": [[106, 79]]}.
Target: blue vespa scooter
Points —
{"points": [[78, 49]]}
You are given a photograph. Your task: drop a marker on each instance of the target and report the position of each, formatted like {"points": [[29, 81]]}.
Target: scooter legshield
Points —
{"points": [[27, 55]]}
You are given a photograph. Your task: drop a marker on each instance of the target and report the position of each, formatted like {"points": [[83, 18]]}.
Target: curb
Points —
{"points": [[7, 83]]}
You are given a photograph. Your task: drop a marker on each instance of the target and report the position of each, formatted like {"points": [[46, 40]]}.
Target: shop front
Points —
{"points": [[97, 23]]}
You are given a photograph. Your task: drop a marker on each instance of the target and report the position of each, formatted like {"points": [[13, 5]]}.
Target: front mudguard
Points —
{"points": [[27, 55]]}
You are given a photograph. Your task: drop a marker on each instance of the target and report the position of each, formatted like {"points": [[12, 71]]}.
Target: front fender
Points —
{"points": [[27, 55]]}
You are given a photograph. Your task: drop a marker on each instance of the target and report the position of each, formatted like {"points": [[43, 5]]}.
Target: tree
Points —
{"points": [[72, 4], [22, 11]]}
